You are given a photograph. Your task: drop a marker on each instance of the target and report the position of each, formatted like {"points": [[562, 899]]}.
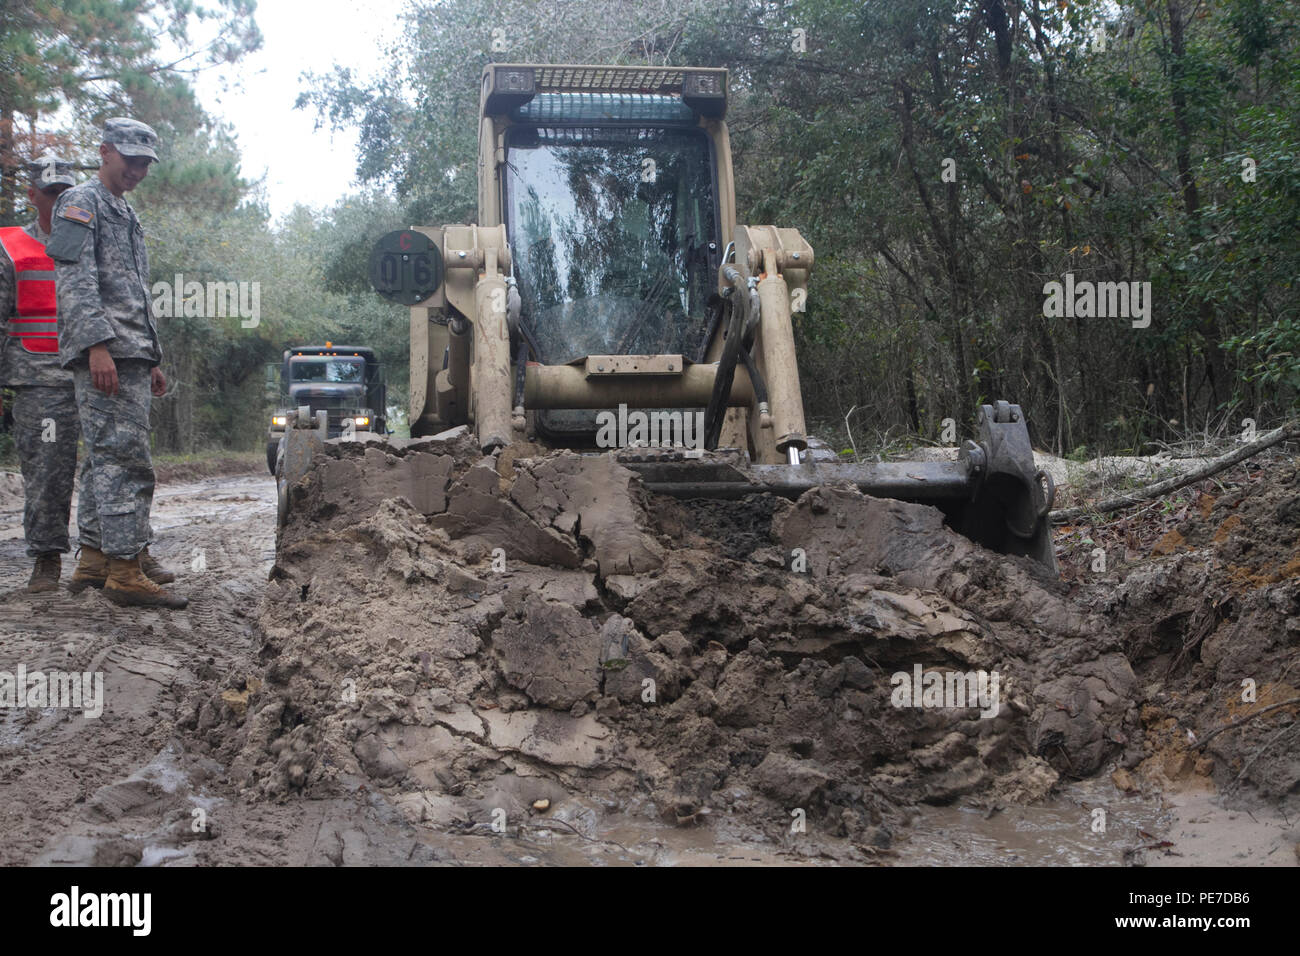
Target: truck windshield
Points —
{"points": [[328, 370], [614, 234]]}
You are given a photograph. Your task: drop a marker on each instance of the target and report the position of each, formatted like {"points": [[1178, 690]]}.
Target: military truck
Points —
{"points": [[344, 382]]}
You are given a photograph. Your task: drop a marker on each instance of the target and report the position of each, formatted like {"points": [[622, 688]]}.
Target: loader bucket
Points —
{"points": [[301, 445], [993, 493]]}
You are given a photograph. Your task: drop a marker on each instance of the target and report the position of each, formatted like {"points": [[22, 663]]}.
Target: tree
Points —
{"points": [[96, 58]]}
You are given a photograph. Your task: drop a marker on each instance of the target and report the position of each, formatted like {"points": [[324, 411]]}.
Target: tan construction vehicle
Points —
{"points": [[608, 299]]}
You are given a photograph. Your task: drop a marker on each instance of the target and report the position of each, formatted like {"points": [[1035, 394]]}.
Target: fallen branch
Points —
{"points": [[1245, 720], [1286, 432], [1271, 740]]}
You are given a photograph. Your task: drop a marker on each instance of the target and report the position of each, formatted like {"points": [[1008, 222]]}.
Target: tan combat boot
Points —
{"points": [[92, 570], [45, 576], [127, 585], [154, 571]]}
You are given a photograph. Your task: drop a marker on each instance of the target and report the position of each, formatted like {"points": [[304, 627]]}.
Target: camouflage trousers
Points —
{"points": [[117, 479], [46, 430]]}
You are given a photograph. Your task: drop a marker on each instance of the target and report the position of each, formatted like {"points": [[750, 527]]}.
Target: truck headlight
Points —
{"points": [[361, 421], [279, 421]]}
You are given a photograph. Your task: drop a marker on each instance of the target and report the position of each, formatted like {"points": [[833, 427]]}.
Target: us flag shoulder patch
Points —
{"points": [[77, 214]]}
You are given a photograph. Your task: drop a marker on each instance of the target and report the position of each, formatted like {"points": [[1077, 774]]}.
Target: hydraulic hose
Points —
{"points": [[731, 348], [755, 376]]}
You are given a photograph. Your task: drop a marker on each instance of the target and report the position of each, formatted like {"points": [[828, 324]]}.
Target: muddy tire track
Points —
{"points": [[73, 787]]}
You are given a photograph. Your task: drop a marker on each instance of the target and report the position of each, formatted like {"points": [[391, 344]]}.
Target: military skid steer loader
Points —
{"points": [[607, 282]]}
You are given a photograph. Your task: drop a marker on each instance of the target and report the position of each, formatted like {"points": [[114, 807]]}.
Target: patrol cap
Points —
{"points": [[49, 170], [131, 137]]}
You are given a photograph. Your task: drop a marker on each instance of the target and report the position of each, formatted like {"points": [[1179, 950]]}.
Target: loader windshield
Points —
{"points": [[615, 238]]}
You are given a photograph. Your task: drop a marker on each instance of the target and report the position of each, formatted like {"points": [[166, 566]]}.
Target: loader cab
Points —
{"points": [[604, 272], [613, 206]]}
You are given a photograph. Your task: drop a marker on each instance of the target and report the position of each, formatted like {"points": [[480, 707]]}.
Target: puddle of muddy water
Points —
{"points": [[625, 841], [1063, 831], [213, 500], [1057, 832]]}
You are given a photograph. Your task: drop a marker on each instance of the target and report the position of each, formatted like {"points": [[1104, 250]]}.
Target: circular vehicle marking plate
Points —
{"points": [[405, 267]]}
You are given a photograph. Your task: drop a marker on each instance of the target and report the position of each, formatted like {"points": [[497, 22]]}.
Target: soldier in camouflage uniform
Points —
{"points": [[44, 409], [108, 339]]}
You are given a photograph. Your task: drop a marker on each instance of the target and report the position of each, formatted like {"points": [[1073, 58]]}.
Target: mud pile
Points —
{"points": [[459, 636], [1212, 627]]}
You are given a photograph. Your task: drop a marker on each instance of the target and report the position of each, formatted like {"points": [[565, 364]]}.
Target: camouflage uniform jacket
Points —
{"points": [[102, 277], [19, 367]]}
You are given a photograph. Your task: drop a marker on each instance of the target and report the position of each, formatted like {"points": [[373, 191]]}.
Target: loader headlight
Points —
{"points": [[279, 421], [505, 87], [706, 93], [518, 80], [361, 421]]}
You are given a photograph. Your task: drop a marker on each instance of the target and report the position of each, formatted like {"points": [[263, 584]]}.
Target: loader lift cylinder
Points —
{"points": [[776, 336], [491, 379], [459, 339]]}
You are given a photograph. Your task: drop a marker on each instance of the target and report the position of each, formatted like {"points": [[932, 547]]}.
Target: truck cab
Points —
{"points": [[344, 381]]}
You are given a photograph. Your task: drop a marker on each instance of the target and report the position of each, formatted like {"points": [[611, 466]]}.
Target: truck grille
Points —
{"points": [[336, 410]]}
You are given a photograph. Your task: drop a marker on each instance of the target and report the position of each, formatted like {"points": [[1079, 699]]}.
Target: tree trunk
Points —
{"points": [[1218, 366], [8, 169]]}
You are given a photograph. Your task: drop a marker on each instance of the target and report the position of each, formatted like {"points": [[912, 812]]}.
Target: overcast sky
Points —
{"points": [[300, 165]]}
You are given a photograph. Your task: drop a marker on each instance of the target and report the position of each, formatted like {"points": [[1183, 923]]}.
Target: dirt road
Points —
{"points": [[69, 780]]}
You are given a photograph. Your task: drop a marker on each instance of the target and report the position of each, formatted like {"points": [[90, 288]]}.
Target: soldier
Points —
{"points": [[44, 409], [108, 339]]}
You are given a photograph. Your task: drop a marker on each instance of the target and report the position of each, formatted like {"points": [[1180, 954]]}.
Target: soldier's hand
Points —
{"points": [[157, 382], [103, 371]]}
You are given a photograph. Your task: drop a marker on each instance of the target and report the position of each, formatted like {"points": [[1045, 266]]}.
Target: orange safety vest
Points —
{"points": [[35, 324]]}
